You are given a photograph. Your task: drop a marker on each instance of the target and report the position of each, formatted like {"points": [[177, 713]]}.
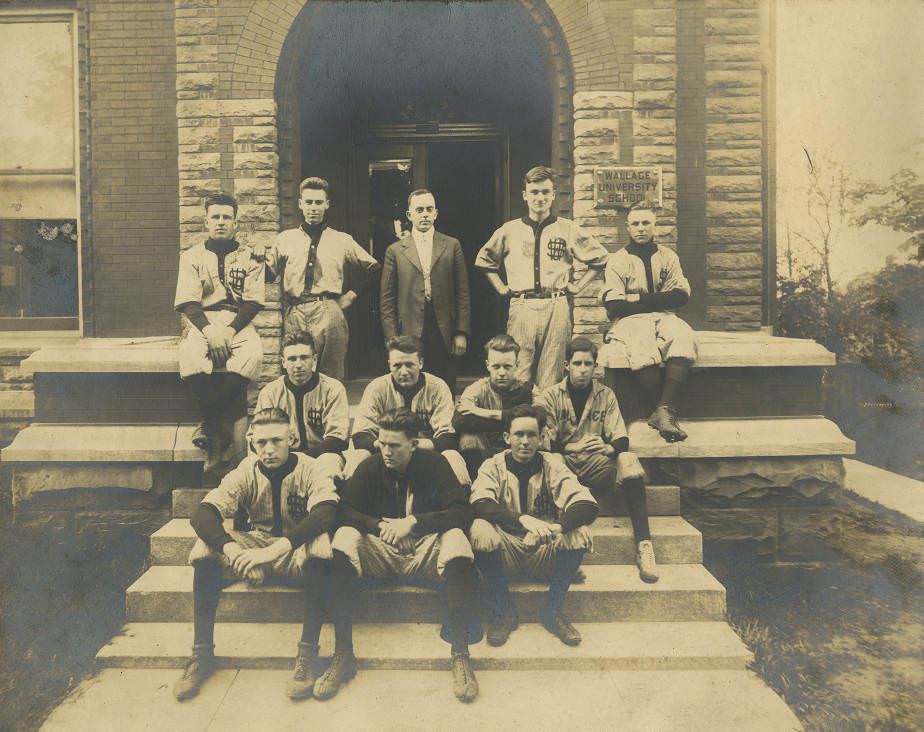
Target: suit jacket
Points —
{"points": [[402, 289]]}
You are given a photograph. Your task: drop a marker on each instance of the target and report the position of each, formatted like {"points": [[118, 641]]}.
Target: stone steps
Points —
{"points": [[417, 646], [662, 500], [684, 592], [676, 541]]}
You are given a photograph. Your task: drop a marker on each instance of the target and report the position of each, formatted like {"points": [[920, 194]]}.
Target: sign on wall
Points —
{"points": [[621, 187]]}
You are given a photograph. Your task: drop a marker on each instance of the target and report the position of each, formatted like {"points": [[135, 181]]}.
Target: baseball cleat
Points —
{"points": [[664, 420], [464, 684], [198, 668], [502, 625], [645, 559], [301, 685], [342, 668], [558, 625]]}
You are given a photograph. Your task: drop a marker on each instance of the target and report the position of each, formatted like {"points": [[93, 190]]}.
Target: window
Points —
{"points": [[39, 197]]}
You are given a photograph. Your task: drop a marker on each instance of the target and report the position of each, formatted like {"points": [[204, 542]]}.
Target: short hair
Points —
{"points": [[270, 415], [314, 184], [538, 174], [221, 199], [299, 338], [578, 344], [400, 420], [419, 192], [643, 205], [502, 343], [525, 410], [405, 344]]}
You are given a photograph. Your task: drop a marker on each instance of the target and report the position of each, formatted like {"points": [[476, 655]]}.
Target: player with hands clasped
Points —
{"points": [[587, 428], [403, 516], [643, 284], [219, 290], [531, 518], [540, 253], [291, 502]]}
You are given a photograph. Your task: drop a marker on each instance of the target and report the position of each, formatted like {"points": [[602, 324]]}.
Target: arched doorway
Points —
{"points": [[382, 98]]}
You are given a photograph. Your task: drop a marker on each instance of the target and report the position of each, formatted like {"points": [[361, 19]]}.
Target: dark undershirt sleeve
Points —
{"points": [[446, 442], [495, 513], [245, 314], [620, 444], [647, 303], [208, 525], [331, 444], [471, 424], [320, 519], [364, 441], [194, 313], [581, 513]]}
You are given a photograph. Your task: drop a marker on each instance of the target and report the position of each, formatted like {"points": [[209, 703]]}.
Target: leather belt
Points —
{"points": [[540, 295], [317, 298]]}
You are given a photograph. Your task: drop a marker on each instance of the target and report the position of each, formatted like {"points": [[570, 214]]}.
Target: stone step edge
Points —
{"points": [[417, 646]]}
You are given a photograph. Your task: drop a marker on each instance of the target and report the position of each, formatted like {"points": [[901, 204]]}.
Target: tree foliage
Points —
{"points": [[898, 204]]}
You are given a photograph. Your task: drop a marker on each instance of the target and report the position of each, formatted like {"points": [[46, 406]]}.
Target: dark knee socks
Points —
{"points": [[343, 580], [222, 394], [566, 563], [675, 376], [206, 594], [649, 381], [634, 491], [492, 568], [314, 587], [460, 588], [633, 404]]}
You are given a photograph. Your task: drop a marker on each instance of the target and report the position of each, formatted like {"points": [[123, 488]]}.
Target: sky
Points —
{"points": [[850, 89]]}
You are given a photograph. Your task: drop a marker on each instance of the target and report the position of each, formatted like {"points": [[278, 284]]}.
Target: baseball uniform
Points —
{"points": [[312, 270], [430, 400], [220, 279], [539, 259], [645, 338], [479, 433]]}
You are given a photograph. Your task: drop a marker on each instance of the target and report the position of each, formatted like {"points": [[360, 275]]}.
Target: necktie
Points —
{"points": [[314, 235]]}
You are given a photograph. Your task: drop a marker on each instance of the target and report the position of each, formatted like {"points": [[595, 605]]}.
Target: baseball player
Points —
{"points": [[586, 426], [403, 516], [312, 260], [643, 283], [317, 404], [531, 518], [425, 395], [539, 253], [292, 505], [219, 290], [479, 416]]}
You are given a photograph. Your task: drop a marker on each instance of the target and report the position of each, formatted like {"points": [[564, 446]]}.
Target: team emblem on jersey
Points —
{"points": [[663, 279], [556, 247], [313, 417], [297, 505], [424, 416], [235, 276]]}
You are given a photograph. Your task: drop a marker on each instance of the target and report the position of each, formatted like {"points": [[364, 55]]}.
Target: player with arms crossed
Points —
{"points": [[643, 284], [316, 403], [531, 518], [403, 517], [312, 261], [292, 504], [586, 426], [539, 253], [479, 416], [425, 395], [219, 290]]}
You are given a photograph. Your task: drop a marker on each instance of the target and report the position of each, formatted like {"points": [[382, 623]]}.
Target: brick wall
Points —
{"points": [[133, 181]]}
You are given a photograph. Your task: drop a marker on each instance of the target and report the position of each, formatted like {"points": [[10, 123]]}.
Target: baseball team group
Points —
{"points": [[459, 492]]}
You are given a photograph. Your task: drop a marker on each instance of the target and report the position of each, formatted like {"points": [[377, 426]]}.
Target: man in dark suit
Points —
{"points": [[424, 290]]}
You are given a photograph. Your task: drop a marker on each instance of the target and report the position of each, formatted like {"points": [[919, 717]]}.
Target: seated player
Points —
{"points": [[479, 417], [586, 426], [643, 283], [531, 518], [219, 290], [425, 395], [316, 403], [292, 504], [402, 516]]}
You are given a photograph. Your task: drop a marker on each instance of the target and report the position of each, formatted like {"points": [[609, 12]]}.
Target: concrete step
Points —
{"points": [[111, 443], [17, 404], [734, 438], [410, 646], [675, 540], [662, 500], [413, 701], [610, 592]]}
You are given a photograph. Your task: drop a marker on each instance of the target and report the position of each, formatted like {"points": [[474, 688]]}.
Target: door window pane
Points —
{"points": [[38, 268]]}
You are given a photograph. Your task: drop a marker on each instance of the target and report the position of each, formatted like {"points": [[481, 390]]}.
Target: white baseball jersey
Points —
{"points": [[625, 274], [336, 249], [325, 409], [481, 394], [209, 280], [550, 492], [433, 406], [540, 258], [246, 487], [601, 417]]}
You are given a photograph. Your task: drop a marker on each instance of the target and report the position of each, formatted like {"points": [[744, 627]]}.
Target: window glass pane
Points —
{"points": [[38, 267], [37, 197], [37, 89]]}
